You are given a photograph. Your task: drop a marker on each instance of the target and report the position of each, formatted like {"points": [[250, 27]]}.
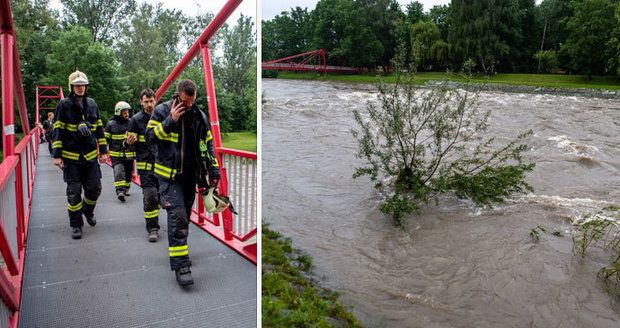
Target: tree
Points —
{"points": [[415, 12], [237, 71], [613, 45], [287, 34], [424, 35], [145, 50], [102, 17], [34, 25], [440, 14], [483, 31], [416, 145], [74, 49], [590, 28]]}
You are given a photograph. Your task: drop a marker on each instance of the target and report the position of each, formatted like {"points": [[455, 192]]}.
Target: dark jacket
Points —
{"points": [[68, 143], [48, 127], [145, 153], [170, 139], [115, 133]]}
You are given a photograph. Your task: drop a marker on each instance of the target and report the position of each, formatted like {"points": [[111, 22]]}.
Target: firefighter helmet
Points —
{"points": [[77, 78], [213, 202], [121, 106]]}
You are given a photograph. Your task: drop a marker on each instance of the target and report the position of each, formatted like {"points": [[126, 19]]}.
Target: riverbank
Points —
{"points": [[290, 299], [240, 140], [605, 86]]}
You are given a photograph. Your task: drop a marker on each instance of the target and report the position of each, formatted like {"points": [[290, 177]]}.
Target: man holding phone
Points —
{"points": [[185, 157]]}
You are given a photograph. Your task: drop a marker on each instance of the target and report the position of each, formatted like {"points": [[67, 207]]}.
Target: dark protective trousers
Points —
{"points": [[177, 198], [150, 198], [78, 176], [123, 170]]}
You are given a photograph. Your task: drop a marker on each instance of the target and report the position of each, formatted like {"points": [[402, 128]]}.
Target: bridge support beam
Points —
{"points": [[8, 117]]}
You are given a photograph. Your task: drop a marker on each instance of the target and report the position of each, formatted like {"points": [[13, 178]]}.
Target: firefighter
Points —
{"points": [[77, 131], [48, 128], [121, 153], [145, 160], [185, 157]]}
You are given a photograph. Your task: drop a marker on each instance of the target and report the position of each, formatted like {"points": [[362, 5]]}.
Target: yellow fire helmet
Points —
{"points": [[213, 202], [77, 78], [121, 106]]}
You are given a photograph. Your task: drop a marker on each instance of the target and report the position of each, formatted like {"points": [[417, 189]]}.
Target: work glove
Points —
{"points": [[84, 129]]}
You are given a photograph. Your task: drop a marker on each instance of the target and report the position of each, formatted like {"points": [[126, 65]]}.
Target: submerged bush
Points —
{"points": [[602, 229], [418, 144]]}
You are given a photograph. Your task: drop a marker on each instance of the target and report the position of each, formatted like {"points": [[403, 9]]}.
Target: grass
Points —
{"points": [[18, 138], [240, 140], [536, 80], [289, 297]]}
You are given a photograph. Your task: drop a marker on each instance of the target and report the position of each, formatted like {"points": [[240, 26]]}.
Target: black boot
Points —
{"points": [[90, 218], [153, 235], [121, 196], [184, 276], [77, 233]]}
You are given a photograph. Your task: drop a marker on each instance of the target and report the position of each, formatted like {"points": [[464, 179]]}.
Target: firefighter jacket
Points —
{"points": [[67, 142], [115, 133], [171, 144], [145, 153], [48, 127]]}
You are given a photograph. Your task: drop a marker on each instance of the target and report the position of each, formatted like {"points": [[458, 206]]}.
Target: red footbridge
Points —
{"points": [[311, 61], [113, 277]]}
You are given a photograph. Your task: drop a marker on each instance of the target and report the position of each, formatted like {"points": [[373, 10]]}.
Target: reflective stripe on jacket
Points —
{"points": [[162, 131], [67, 142]]}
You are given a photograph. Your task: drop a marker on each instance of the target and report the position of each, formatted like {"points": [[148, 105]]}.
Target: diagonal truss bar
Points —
{"points": [[193, 51]]}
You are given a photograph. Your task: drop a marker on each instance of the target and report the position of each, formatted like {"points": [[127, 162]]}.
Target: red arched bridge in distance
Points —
{"points": [[114, 277], [311, 61]]}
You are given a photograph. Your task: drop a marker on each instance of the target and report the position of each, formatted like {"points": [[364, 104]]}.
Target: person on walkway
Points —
{"points": [[77, 131], [48, 130], [185, 157], [121, 153], [145, 160]]}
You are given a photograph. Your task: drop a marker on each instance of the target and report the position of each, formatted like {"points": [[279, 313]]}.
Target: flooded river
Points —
{"points": [[455, 265]]}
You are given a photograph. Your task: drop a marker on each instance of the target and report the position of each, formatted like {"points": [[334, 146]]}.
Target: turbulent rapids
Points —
{"points": [[455, 264]]}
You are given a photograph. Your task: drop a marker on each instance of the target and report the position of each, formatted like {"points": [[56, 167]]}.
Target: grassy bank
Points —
{"points": [[289, 298], [240, 140], [535, 80]]}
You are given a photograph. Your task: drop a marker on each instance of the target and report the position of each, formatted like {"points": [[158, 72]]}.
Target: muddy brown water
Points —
{"points": [[455, 265]]}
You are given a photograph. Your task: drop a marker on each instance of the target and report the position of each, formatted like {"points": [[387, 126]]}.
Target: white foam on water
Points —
{"points": [[566, 144], [559, 201]]}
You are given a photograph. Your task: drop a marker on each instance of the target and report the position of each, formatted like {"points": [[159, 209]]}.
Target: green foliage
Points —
{"points": [[103, 18], [419, 144], [589, 28], [548, 61], [237, 73], [287, 34], [124, 48], [415, 12], [483, 31], [74, 49], [613, 45], [289, 298], [601, 228], [539, 230]]}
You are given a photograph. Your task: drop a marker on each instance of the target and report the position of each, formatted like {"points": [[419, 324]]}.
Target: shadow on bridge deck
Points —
{"points": [[113, 277]]}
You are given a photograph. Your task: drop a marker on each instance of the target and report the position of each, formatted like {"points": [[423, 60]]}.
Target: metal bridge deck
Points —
{"points": [[113, 277]]}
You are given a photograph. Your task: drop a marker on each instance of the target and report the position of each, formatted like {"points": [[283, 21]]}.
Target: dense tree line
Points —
{"points": [[555, 36], [125, 47]]}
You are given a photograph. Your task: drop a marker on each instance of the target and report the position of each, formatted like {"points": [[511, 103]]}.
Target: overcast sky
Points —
{"points": [[275, 7], [272, 8]]}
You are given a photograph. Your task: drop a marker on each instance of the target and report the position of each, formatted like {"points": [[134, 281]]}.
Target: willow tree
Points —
{"points": [[420, 143]]}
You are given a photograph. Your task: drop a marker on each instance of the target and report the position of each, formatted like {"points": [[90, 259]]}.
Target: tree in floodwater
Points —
{"points": [[418, 144]]}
